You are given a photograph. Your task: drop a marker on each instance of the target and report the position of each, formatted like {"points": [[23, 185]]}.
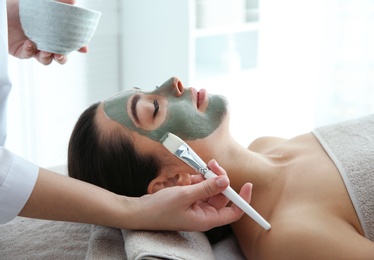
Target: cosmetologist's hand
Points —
{"points": [[197, 207], [21, 47]]}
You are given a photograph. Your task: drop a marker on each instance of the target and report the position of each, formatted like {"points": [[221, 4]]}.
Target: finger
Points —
{"points": [[218, 201], [83, 49], [67, 1], [230, 214], [213, 165], [245, 193], [61, 59], [208, 188], [196, 178], [28, 50], [44, 58]]}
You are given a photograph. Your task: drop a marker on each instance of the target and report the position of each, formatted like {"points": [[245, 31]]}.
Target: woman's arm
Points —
{"points": [[58, 197]]}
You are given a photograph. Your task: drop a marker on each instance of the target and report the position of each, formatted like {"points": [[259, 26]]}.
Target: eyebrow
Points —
{"points": [[134, 101]]}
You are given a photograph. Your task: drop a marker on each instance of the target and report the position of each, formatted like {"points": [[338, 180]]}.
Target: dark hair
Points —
{"points": [[108, 160]]}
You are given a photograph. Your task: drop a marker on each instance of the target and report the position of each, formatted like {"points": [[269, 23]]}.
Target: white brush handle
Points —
{"points": [[241, 203]]}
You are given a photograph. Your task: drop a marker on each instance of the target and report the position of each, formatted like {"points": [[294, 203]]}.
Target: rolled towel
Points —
{"points": [[146, 245]]}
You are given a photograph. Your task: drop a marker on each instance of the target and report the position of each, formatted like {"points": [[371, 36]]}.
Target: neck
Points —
{"points": [[243, 165]]}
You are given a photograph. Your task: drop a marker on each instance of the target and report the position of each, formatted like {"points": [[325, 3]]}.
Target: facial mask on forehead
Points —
{"points": [[183, 119]]}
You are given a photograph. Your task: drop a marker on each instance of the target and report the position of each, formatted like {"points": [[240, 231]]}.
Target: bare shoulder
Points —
{"points": [[316, 240], [263, 144]]}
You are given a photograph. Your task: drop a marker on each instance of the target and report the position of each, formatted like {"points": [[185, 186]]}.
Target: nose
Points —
{"points": [[172, 86], [178, 86]]}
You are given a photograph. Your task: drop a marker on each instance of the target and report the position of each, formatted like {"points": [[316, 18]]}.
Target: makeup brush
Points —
{"points": [[181, 150]]}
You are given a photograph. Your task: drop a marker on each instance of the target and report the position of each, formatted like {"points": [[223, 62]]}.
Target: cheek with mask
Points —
{"points": [[183, 119]]}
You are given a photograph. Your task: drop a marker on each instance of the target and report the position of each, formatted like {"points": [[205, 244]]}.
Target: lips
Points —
{"points": [[201, 97]]}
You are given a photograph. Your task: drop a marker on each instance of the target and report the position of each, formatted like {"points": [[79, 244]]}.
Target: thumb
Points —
{"points": [[209, 187]]}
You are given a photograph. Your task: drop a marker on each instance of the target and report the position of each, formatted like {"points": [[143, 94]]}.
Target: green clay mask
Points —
{"points": [[182, 119]]}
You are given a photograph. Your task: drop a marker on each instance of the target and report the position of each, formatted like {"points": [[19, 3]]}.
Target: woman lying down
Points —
{"points": [[316, 189]]}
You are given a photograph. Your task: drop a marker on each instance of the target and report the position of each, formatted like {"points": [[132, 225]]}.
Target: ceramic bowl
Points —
{"points": [[57, 27]]}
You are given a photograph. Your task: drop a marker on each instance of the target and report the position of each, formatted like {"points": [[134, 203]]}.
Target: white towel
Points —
{"points": [[146, 245], [25, 238], [105, 243], [228, 249], [350, 145]]}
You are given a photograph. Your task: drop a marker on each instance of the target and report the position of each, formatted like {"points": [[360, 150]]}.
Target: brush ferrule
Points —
{"points": [[203, 171], [187, 155]]}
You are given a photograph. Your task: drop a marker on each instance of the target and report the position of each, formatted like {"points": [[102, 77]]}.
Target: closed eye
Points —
{"points": [[157, 107]]}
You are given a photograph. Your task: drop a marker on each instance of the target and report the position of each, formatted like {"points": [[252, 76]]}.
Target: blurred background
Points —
{"points": [[286, 67]]}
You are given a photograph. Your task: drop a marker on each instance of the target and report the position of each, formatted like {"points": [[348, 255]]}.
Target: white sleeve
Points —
{"points": [[5, 84], [17, 180]]}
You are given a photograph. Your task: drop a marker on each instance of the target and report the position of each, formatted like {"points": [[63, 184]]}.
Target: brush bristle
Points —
{"points": [[171, 142]]}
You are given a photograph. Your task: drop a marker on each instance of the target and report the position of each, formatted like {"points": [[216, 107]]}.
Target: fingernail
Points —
{"points": [[59, 56], [222, 181], [215, 163], [46, 55]]}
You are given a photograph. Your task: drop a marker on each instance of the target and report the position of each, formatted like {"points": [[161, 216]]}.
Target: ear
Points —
{"points": [[164, 180]]}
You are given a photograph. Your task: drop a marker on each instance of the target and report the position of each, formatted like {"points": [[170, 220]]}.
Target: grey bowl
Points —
{"points": [[57, 27]]}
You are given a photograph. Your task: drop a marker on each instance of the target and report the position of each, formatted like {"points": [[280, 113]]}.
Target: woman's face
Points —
{"points": [[171, 108]]}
